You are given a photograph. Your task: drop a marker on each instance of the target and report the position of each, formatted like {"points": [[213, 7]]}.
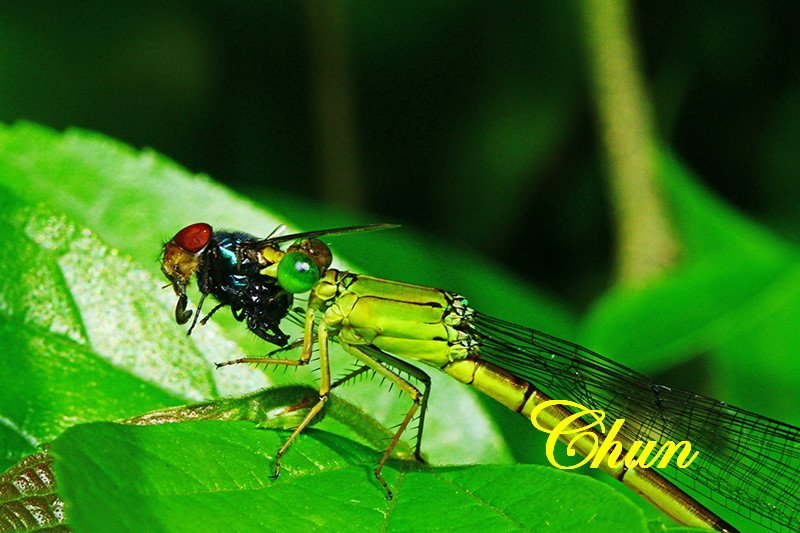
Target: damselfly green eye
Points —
{"points": [[297, 272]]}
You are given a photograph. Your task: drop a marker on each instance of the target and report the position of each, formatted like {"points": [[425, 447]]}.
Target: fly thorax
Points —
{"points": [[226, 267]]}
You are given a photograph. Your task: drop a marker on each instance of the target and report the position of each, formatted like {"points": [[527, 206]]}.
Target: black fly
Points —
{"points": [[232, 277]]}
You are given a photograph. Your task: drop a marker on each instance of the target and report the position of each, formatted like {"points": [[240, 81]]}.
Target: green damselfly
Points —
{"points": [[749, 464]]}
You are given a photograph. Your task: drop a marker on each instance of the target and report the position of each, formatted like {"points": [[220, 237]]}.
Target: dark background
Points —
{"points": [[471, 122]]}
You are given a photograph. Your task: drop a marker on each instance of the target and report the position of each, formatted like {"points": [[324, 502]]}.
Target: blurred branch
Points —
{"points": [[332, 105], [647, 245]]}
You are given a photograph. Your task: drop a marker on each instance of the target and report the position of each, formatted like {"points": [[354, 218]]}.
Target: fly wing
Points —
{"points": [[748, 463], [308, 235]]}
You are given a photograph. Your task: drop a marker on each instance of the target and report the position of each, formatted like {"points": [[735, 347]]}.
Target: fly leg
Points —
{"points": [[271, 333], [197, 313], [205, 289], [414, 393], [210, 314]]}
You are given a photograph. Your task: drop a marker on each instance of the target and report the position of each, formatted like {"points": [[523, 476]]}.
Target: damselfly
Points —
{"points": [[748, 463]]}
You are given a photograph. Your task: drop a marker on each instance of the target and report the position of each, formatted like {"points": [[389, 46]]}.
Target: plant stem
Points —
{"points": [[332, 102], [646, 243]]}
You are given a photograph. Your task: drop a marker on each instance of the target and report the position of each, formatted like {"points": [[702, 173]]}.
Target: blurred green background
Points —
{"points": [[469, 121]]}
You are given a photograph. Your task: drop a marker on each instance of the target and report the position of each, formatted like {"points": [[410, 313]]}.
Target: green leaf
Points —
{"points": [[89, 332], [215, 476], [29, 497], [76, 334], [134, 201], [710, 228]]}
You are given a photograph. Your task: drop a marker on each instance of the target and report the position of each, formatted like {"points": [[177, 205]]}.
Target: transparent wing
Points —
{"points": [[308, 235], [748, 463]]}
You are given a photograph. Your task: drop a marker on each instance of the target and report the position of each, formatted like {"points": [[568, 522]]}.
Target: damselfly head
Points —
{"points": [[305, 261], [297, 269]]}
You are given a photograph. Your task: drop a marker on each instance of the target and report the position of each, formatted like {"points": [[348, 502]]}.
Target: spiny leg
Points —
{"points": [[303, 404], [305, 355], [406, 387], [267, 358], [350, 375], [324, 391], [423, 378]]}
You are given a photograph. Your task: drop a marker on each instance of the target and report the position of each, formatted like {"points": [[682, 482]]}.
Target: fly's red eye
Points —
{"points": [[193, 238]]}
